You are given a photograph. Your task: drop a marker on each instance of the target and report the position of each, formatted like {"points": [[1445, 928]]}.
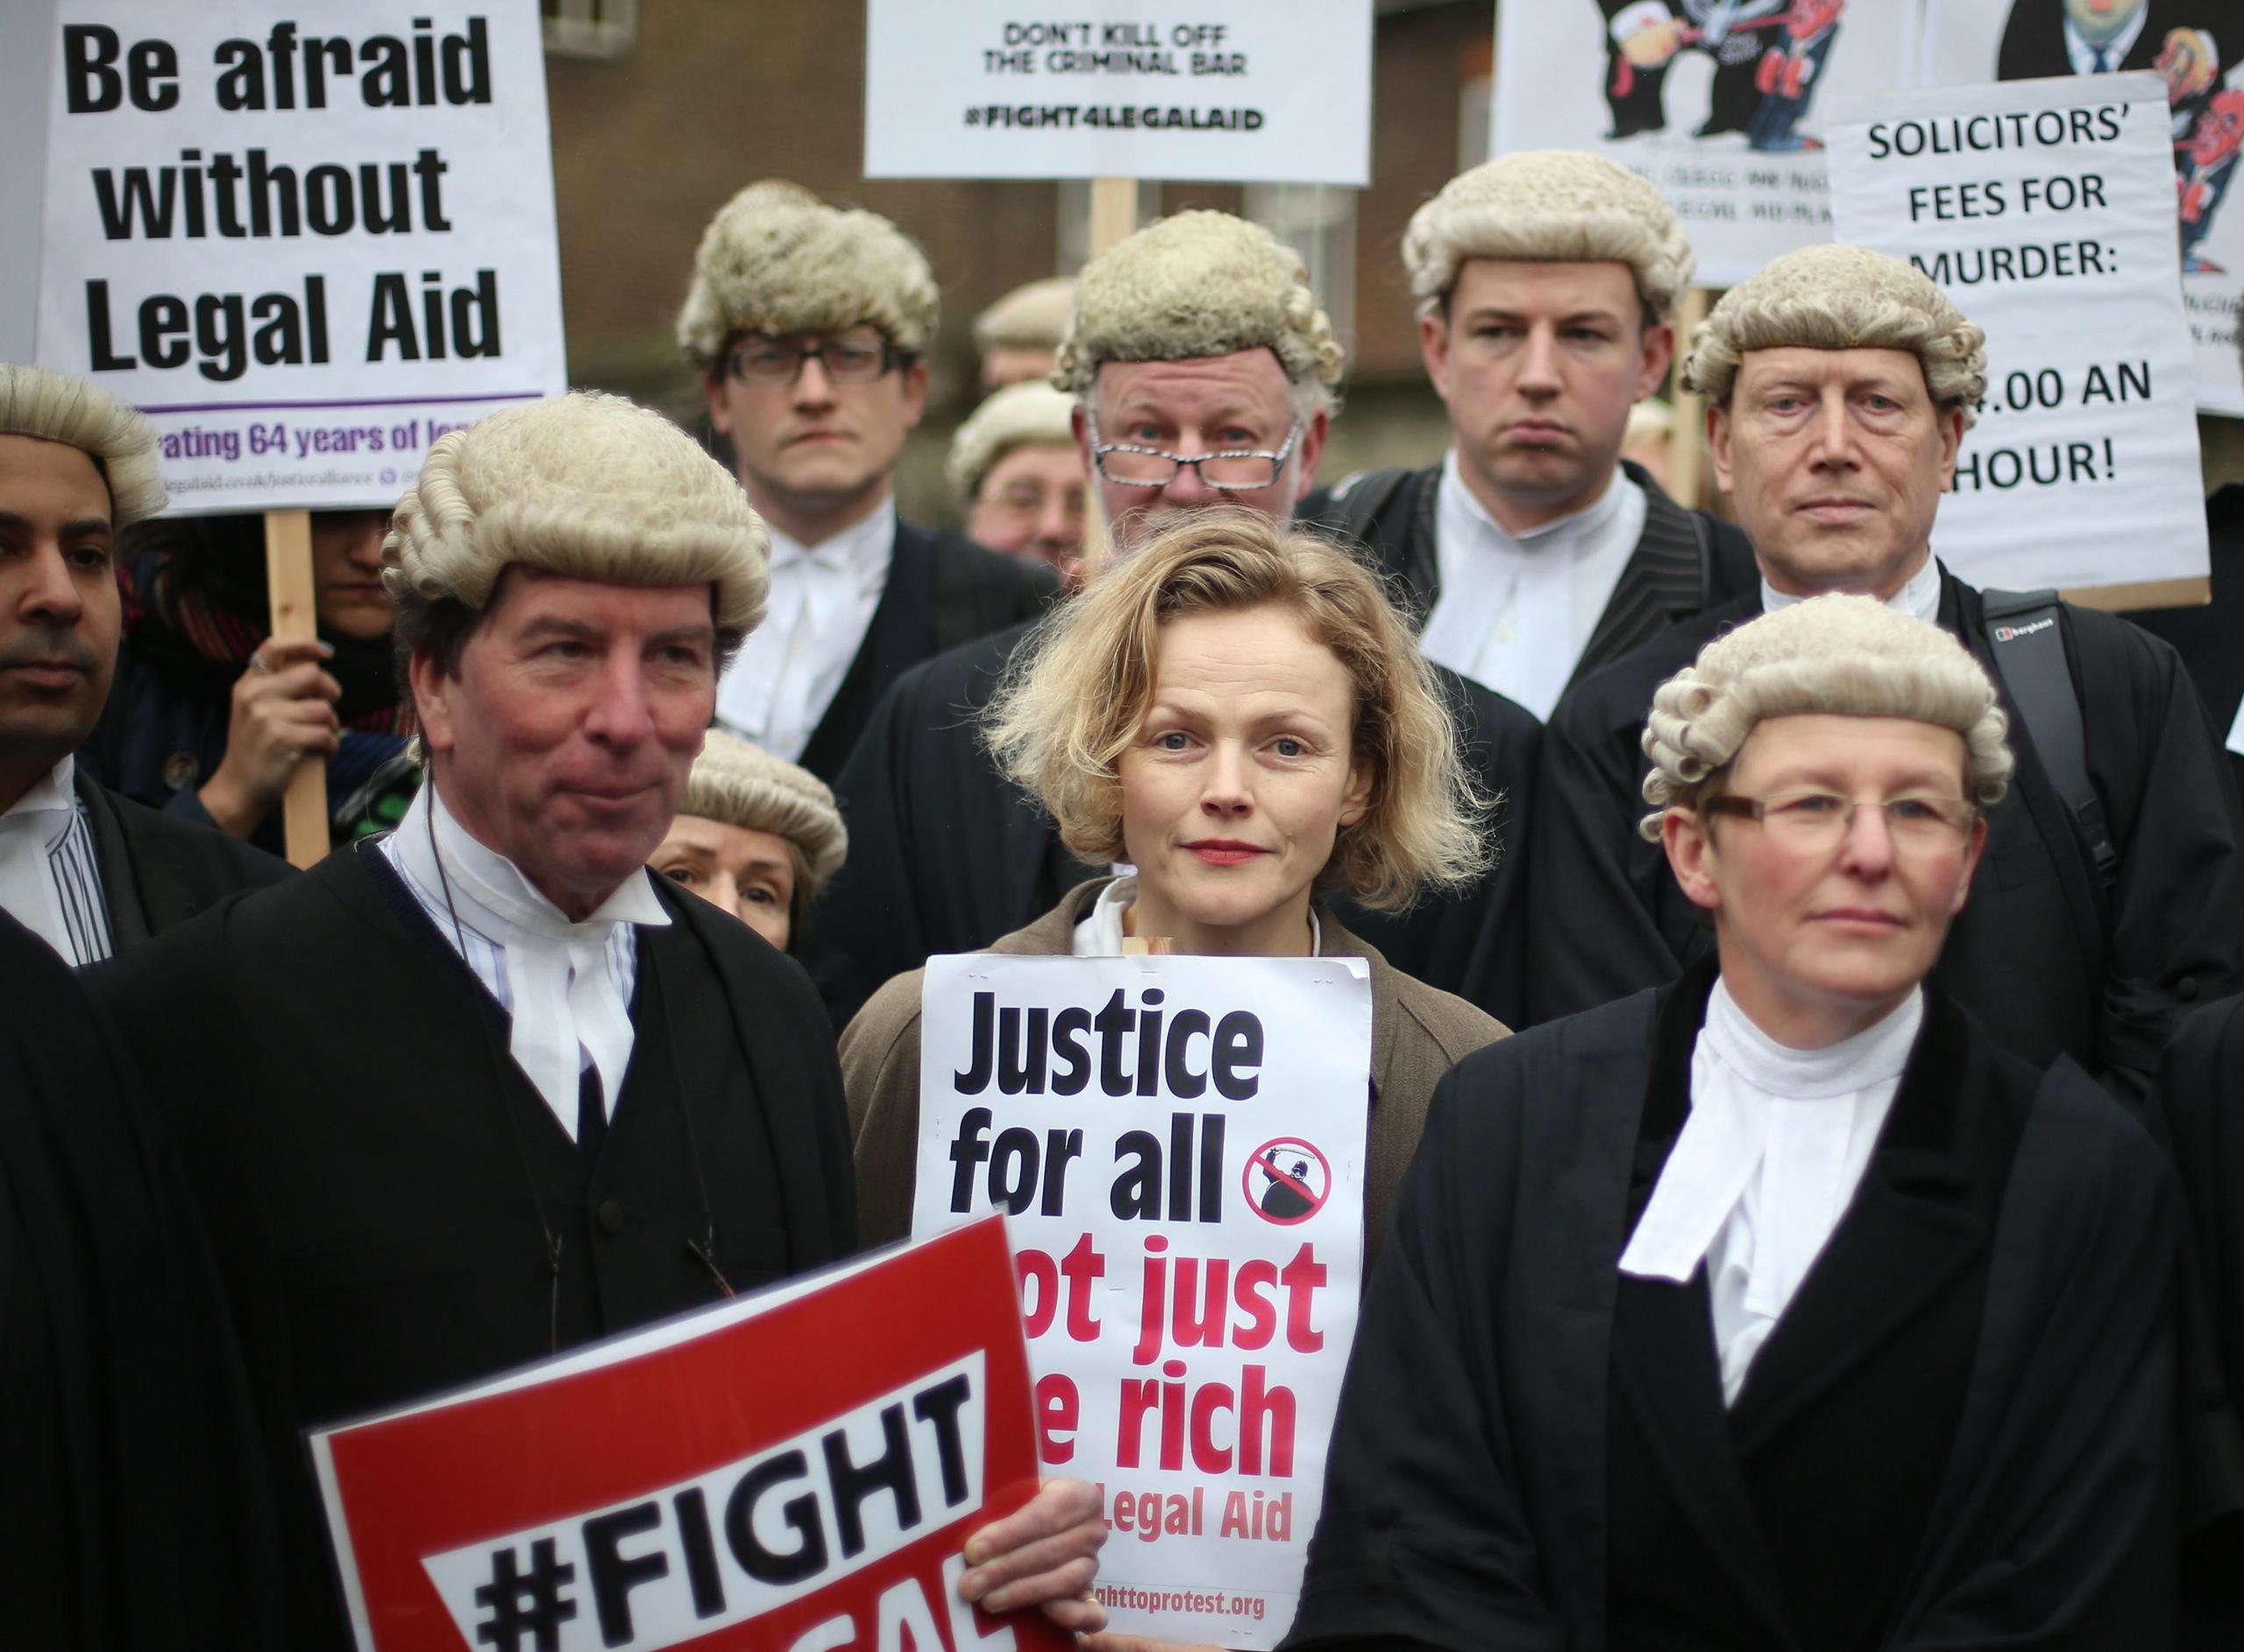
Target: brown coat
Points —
{"points": [[1417, 1034]]}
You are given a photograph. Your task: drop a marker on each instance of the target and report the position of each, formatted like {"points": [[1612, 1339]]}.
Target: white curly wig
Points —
{"points": [[1837, 297], [1549, 206], [744, 785], [1030, 317], [1833, 655], [61, 406], [586, 486], [1199, 284], [1031, 414], [776, 259]]}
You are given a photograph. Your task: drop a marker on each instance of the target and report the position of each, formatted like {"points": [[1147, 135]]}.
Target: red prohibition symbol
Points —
{"points": [[1286, 1181]]}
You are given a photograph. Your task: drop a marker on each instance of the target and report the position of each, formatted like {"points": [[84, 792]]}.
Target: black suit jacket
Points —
{"points": [[137, 1507], [1527, 1457], [2033, 41], [157, 872], [375, 1168], [2052, 958], [943, 590]]}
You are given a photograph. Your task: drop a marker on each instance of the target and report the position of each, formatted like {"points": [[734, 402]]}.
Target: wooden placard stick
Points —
{"points": [[2148, 593], [288, 579], [1687, 451], [1113, 217]]}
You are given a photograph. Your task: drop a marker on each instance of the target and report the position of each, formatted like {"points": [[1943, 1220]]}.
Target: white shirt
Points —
{"points": [[822, 605], [566, 987], [1918, 598], [1767, 1162], [1516, 610], [49, 880], [2115, 52], [1098, 932]]}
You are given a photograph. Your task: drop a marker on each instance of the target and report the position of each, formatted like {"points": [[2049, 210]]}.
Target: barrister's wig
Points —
{"points": [[1078, 690], [585, 485], [1023, 415], [1031, 318], [61, 407], [742, 786], [776, 259], [1835, 297], [1199, 284], [1829, 656], [1549, 206]]}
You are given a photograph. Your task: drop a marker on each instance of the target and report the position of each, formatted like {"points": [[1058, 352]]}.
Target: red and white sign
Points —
{"points": [[1178, 1144], [795, 1471]]}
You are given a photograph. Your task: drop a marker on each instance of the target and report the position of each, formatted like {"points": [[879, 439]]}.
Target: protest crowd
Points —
{"points": [[1805, 1107]]}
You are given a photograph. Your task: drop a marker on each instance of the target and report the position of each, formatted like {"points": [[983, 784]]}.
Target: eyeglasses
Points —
{"points": [[1822, 819], [855, 358], [1234, 470]]}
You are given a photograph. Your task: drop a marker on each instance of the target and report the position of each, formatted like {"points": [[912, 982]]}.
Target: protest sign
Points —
{"points": [[1255, 92], [2197, 48], [1721, 104], [2036, 205], [306, 241], [797, 1469], [1179, 1143]]}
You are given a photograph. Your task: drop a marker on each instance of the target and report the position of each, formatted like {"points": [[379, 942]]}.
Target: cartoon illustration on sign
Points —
{"points": [[1768, 56], [2047, 38]]}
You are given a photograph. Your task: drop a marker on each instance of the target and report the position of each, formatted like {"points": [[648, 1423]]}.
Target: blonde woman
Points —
{"points": [[1240, 715]]}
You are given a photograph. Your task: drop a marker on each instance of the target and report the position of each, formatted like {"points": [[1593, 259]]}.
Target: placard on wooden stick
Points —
{"points": [[296, 613]]}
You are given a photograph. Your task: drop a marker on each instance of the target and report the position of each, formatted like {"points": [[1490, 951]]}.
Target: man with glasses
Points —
{"points": [[1546, 284], [1840, 382], [1014, 468], [807, 324], [1202, 374]]}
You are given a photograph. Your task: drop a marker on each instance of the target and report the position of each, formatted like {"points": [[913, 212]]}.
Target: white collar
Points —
{"points": [[1918, 598], [1098, 932], [566, 1009], [860, 547], [51, 794], [2082, 51], [1872, 1056], [1585, 524], [485, 885]]}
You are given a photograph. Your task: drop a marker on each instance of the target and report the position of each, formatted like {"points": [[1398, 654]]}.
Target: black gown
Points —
{"points": [[2053, 960], [136, 1503], [384, 1183], [1959, 1433]]}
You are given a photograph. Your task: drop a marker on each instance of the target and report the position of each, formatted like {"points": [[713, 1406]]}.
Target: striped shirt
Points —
{"points": [[76, 922]]}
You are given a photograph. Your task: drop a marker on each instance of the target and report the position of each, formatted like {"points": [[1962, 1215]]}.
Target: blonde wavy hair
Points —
{"points": [[1834, 656], [1078, 691], [1836, 297], [61, 406]]}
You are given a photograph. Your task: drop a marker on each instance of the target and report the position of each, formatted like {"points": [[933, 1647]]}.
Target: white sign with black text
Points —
{"points": [[2043, 208], [305, 240], [1178, 1145], [1247, 91]]}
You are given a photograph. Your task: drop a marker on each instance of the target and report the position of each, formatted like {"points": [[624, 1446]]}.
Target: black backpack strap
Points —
{"points": [[2025, 638]]}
